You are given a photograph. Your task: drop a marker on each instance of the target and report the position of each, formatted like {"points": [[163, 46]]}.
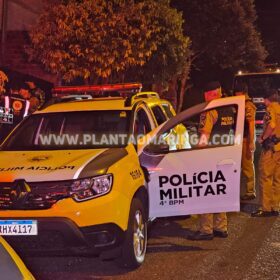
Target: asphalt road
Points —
{"points": [[252, 251]]}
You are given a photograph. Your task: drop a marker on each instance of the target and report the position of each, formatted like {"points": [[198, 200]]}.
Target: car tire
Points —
{"points": [[135, 242]]}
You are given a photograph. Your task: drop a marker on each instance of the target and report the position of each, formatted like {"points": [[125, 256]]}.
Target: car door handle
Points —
{"points": [[226, 162]]}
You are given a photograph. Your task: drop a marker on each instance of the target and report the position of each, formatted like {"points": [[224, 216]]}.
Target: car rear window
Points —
{"points": [[167, 110], [159, 115]]}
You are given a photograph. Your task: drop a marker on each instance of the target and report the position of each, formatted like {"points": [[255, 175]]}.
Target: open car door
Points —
{"points": [[190, 178]]}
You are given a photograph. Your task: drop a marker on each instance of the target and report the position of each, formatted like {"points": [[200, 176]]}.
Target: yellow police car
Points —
{"points": [[11, 266], [85, 176]]}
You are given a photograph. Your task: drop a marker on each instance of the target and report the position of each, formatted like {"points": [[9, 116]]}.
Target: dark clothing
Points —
{"points": [[224, 123], [19, 108], [40, 95]]}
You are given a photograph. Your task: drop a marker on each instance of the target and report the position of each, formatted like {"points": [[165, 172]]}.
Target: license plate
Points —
{"points": [[22, 227]]}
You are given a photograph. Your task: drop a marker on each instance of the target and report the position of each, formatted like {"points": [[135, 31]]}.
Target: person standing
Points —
{"points": [[38, 93], [17, 103], [3, 80], [247, 163], [33, 100], [269, 163], [211, 122], [19, 108]]}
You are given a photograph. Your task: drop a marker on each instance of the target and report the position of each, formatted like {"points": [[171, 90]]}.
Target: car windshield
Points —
{"points": [[71, 130], [259, 84]]}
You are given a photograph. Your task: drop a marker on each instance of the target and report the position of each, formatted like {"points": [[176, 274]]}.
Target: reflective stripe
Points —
{"points": [[7, 102], [27, 105]]}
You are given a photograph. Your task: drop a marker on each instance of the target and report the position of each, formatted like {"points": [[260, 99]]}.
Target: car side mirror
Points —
{"points": [[157, 148]]}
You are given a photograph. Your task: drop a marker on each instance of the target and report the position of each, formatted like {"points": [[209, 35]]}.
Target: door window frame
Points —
{"points": [[238, 101]]}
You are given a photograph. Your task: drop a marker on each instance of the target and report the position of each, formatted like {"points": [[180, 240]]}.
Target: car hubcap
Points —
{"points": [[139, 237]]}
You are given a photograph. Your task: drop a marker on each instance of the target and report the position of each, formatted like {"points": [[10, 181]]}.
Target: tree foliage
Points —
{"points": [[172, 57], [109, 39], [223, 34]]}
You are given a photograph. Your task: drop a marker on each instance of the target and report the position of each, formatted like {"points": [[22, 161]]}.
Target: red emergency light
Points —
{"points": [[95, 89], [259, 122]]}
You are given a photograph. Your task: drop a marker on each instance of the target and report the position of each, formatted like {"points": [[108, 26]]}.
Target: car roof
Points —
{"points": [[99, 104], [95, 104]]}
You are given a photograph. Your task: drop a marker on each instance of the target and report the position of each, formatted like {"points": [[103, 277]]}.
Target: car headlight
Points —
{"points": [[88, 188]]}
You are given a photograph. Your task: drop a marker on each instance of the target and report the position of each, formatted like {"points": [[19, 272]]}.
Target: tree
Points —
{"points": [[168, 68], [173, 51], [109, 39], [224, 36]]}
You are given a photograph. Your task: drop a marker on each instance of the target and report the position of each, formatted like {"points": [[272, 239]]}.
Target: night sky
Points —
{"points": [[269, 26]]}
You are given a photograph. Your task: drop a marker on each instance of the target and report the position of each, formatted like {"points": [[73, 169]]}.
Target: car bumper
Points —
{"points": [[61, 236]]}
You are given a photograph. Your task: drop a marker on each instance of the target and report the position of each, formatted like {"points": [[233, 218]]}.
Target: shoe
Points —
{"points": [[200, 236], [248, 197], [260, 214], [221, 234]]}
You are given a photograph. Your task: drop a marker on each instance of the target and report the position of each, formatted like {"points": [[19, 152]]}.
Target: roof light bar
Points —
{"points": [[135, 87]]}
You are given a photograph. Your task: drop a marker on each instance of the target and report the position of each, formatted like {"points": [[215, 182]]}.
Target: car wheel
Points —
{"points": [[135, 243]]}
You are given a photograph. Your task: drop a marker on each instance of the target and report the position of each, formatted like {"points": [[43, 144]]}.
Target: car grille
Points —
{"points": [[20, 195]]}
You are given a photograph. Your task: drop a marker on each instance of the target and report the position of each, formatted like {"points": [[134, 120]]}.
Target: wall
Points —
{"points": [[22, 14]]}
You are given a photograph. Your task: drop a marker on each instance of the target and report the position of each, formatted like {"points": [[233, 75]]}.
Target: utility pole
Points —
{"points": [[4, 17]]}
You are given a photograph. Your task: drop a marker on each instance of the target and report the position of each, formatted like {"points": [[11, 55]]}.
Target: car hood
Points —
{"points": [[37, 166]]}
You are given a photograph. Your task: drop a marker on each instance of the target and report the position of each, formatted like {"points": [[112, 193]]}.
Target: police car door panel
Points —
{"points": [[196, 181]]}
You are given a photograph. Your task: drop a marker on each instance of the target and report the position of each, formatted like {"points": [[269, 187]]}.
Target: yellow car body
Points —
{"points": [[11, 266], [112, 208], [34, 185]]}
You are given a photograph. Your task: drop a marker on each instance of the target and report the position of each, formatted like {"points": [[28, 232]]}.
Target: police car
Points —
{"points": [[87, 175]]}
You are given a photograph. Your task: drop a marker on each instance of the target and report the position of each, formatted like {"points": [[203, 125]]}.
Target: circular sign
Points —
{"points": [[17, 105]]}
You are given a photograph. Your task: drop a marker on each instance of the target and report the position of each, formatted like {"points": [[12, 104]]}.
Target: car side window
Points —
{"points": [[167, 110], [159, 115], [142, 124], [212, 128]]}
